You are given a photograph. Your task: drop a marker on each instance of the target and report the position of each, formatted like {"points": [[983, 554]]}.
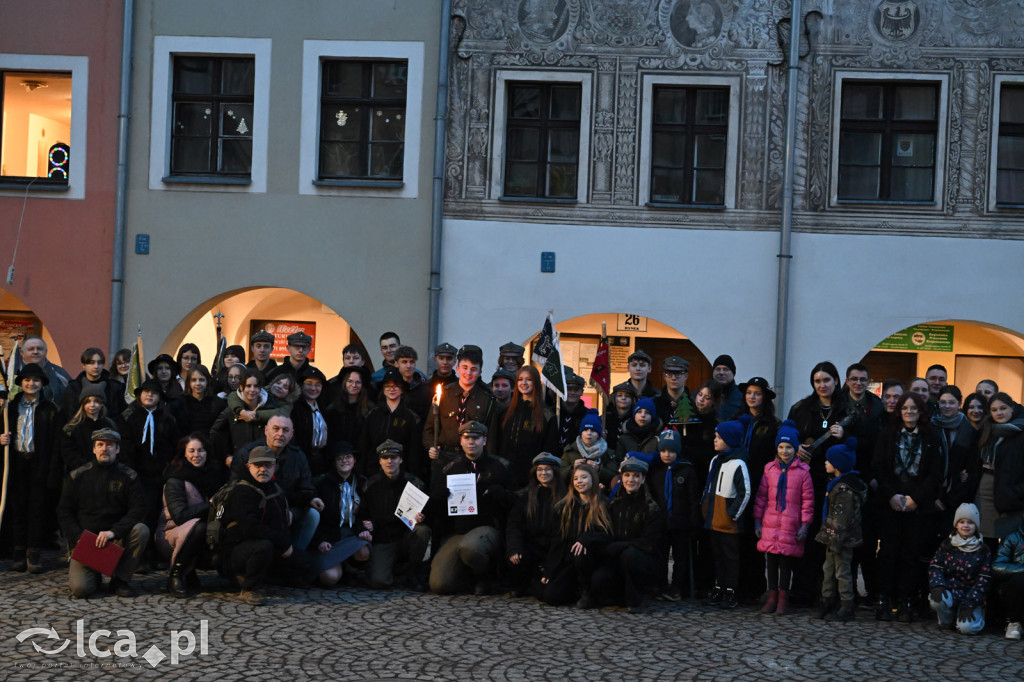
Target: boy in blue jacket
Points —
{"points": [[726, 495]]}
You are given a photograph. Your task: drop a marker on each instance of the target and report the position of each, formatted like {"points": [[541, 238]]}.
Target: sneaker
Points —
{"points": [[251, 597], [729, 600], [883, 611], [714, 597], [906, 613], [670, 593], [1013, 631]]}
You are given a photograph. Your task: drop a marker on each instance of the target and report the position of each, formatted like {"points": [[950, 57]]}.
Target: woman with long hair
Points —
{"points": [[531, 523], [527, 428], [1001, 450], [347, 410], [191, 479], [74, 445], [975, 408], [198, 408], [582, 527], [909, 469]]}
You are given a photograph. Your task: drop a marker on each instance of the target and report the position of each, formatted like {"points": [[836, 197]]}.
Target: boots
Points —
{"points": [[825, 608], [783, 608], [772, 603], [175, 581], [845, 614], [35, 563], [20, 564]]}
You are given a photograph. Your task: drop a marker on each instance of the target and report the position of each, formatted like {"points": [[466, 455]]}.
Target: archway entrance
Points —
{"points": [[969, 350], [627, 333], [272, 308], [17, 320]]}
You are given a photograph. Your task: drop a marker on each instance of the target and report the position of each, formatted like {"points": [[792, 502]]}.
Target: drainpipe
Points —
{"points": [[440, 122], [785, 257], [120, 196]]}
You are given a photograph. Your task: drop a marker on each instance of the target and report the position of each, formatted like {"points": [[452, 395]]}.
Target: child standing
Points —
{"points": [[783, 511], [674, 486], [959, 575], [726, 495], [840, 530]]}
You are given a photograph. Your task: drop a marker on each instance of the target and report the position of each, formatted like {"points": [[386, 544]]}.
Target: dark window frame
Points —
{"points": [[544, 125], [367, 101], [214, 100], [888, 127], [1015, 130], [36, 182], [688, 133]]}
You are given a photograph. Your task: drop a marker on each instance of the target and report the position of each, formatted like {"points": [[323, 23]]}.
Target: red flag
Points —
{"points": [[600, 372]]}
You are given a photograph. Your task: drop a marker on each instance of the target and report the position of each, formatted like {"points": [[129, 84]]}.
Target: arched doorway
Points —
{"points": [[581, 335], [18, 320], [246, 311], [969, 350]]}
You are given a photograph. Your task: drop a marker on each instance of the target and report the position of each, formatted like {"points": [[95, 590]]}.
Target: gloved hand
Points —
{"points": [[937, 593], [966, 612], [801, 534], [757, 529]]}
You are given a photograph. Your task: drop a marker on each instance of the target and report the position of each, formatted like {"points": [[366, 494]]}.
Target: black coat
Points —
{"points": [[328, 489], [196, 415], [637, 522], [493, 494], [74, 447], [401, 426], [380, 499], [686, 492], [101, 497], [113, 393], [46, 437], [531, 535], [519, 441], [255, 511], [926, 486], [149, 464]]}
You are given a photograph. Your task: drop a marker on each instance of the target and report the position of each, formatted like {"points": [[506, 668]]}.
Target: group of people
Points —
{"points": [[272, 473]]}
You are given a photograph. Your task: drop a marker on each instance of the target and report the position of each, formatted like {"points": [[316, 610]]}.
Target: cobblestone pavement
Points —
{"points": [[358, 634]]}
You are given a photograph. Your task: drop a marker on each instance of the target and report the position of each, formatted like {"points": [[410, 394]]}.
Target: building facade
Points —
{"points": [[639, 148]]}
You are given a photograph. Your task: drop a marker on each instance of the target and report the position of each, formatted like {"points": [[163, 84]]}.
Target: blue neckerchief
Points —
{"points": [[828, 489], [668, 490], [780, 491]]}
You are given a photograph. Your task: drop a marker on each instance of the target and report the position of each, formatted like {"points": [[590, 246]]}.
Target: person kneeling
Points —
{"points": [[338, 537], [959, 575]]}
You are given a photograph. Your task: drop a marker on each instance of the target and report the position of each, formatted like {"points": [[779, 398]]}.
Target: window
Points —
{"points": [[212, 123], [1010, 150], [211, 105], [35, 142], [688, 149], [542, 140], [888, 139], [362, 120]]}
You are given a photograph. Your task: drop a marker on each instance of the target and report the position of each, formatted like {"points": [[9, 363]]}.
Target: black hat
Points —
{"points": [[390, 447], [502, 373], [574, 379], [547, 458], [31, 370], [724, 360], [261, 454], [674, 363], [106, 434], [91, 390], [237, 351], [473, 427], [311, 372], [640, 355], [393, 376], [261, 335], [511, 348], [625, 387], [762, 384], [163, 357], [343, 447], [633, 463], [471, 353], [446, 349], [300, 339], [149, 385]]}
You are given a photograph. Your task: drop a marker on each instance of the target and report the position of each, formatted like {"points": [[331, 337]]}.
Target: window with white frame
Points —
{"points": [[211, 104], [1009, 157], [889, 139], [42, 137], [361, 118], [541, 137], [689, 141]]}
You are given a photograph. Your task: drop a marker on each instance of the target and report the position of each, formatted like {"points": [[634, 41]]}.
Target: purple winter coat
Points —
{"points": [[778, 529]]}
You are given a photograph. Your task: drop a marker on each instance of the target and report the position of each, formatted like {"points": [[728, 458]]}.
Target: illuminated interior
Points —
{"points": [[36, 117]]}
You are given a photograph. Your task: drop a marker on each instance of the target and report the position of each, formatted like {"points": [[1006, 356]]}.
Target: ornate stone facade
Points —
{"points": [[967, 43]]}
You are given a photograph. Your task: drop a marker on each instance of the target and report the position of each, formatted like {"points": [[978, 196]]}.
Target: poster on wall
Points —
{"points": [[13, 325], [281, 329], [921, 337]]}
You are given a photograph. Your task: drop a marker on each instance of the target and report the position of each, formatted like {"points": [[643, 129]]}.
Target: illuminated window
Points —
{"points": [[35, 141]]}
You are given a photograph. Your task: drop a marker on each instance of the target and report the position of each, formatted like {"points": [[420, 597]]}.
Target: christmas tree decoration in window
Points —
{"points": [[342, 117], [242, 128], [58, 163]]}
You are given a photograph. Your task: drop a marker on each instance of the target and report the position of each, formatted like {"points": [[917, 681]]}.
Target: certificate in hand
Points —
{"points": [[462, 495], [88, 554], [410, 504]]}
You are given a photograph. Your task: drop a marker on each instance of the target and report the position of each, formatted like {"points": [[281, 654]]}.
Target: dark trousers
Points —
{"points": [[30, 503], [1011, 596], [780, 571], [899, 562], [565, 586], [624, 578], [250, 562], [865, 557], [678, 542], [726, 548]]}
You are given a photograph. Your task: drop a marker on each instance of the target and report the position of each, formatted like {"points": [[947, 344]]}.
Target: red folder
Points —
{"points": [[88, 554]]}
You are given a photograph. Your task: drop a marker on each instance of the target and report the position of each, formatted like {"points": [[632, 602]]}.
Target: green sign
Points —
{"points": [[932, 337]]}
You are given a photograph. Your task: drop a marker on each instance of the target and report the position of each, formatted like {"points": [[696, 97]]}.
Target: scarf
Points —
{"points": [[668, 490], [149, 428], [828, 489], [908, 453], [780, 490], [971, 544], [594, 452], [27, 426], [950, 423], [641, 433], [347, 503], [319, 428]]}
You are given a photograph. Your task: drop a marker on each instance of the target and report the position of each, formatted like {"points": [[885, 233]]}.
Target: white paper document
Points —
{"points": [[410, 504], [462, 495]]}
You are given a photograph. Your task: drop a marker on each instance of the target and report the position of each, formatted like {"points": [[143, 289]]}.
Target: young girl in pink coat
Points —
{"points": [[783, 511]]}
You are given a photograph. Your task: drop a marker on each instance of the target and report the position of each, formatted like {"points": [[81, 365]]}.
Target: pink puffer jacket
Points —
{"points": [[778, 529]]}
